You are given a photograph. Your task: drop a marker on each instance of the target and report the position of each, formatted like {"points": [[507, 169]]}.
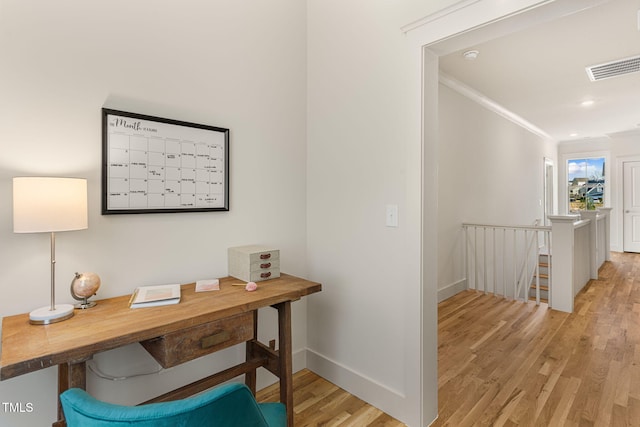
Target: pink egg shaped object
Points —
{"points": [[251, 286]]}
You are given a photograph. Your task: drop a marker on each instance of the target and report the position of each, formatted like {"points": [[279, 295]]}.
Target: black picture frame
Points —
{"points": [[158, 165]]}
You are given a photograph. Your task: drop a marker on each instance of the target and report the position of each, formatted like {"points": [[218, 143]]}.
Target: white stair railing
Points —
{"points": [[504, 259]]}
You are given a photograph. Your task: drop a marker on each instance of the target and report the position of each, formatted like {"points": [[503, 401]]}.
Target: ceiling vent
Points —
{"points": [[614, 68]]}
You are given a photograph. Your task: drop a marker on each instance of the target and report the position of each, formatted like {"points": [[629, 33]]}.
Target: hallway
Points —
{"points": [[508, 363]]}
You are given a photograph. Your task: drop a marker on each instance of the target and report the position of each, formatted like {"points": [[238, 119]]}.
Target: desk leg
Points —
{"points": [[70, 375], [250, 377], [285, 358]]}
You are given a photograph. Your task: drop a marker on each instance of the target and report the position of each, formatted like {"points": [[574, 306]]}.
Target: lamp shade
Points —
{"points": [[49, 204]]}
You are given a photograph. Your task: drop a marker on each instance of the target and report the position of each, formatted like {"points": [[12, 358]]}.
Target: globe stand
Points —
{"points": [[84, 304], [83, 287]]}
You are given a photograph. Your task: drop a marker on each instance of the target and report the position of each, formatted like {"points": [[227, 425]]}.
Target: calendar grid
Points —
{"points": [[160, 166]]}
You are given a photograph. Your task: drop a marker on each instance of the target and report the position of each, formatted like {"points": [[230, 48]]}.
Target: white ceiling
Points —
{"points": [[539, 73]]}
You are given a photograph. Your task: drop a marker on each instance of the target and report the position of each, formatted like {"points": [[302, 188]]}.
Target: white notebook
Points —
{"points": [[152, 296]]}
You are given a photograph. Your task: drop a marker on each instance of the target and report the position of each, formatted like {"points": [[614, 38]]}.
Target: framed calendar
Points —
{"points": [[157, 165]]}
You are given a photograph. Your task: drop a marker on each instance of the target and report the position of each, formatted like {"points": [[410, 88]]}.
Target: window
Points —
{"points": [[586, 183]]}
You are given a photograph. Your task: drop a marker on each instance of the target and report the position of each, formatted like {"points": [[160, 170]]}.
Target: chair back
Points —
{"points": [[229, 405]]}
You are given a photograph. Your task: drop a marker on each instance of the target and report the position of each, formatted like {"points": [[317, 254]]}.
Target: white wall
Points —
{"points": [[491, 172], [240, 65], [364, 327]]}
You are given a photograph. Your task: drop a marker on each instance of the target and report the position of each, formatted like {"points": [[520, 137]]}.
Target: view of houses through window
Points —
{"points": [[586, 183]]}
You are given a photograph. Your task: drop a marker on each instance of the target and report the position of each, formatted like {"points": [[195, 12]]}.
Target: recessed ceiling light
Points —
{"points": [[587, 103], [573, 135], [470, 55]]}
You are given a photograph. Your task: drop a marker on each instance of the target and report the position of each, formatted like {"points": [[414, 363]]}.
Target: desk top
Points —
{"points": [[111, 323]]}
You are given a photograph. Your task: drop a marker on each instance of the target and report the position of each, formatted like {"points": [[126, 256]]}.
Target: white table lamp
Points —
{"points": [[47, 205]]}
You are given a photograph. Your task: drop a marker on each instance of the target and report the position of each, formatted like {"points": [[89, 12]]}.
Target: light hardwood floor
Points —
{"points": [[317, 402], [514, 364], [509, 363]]}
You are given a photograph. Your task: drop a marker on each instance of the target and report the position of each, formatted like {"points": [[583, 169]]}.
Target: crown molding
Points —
{"points": [[437, 15], [491, 105]]}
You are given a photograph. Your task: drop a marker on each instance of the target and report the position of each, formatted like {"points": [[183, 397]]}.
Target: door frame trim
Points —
{"points": [[546, 162]]}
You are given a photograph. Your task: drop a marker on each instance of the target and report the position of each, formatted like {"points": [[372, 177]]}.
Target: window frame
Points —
{"points": [[606, 194]]}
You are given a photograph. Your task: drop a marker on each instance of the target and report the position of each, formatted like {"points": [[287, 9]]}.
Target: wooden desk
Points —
{"points": [[208, 320]]}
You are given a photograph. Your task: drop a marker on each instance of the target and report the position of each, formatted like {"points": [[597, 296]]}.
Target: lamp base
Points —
{"points": [[45, 316]]}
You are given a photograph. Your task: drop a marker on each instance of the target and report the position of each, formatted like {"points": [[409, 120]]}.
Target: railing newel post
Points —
{"points": [[515, 262], [504, 255]]}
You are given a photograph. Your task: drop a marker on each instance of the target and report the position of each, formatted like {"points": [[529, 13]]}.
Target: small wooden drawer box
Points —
{"points": [[175, 348], [254, 263]]}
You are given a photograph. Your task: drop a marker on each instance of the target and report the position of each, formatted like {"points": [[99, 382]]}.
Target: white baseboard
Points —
{"points": [[392, 402], [382, 397], [452, 289]]}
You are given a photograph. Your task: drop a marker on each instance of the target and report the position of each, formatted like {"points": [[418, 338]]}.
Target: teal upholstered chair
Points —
{"points": [[227, 405]]}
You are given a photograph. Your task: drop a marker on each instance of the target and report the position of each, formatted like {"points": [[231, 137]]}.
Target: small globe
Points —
{"points": [[83, 286]]}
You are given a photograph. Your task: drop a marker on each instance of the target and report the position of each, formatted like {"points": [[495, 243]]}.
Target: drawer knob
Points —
{"points": [[215, 339], [265, 275], [265, 256], [265, 265]]}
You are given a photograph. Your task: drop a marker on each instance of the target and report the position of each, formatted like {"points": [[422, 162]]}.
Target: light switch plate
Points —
{"points": [[392, 216]]}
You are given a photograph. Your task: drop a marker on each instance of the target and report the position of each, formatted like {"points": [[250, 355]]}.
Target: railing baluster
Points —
{"points": [[495, 267], [484, 258], [518, 258], [465, 259], [475, 265], [504, 277]]}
